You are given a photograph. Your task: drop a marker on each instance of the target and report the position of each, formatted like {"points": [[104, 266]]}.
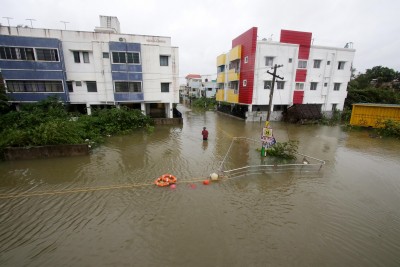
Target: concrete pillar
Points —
{"points": [[89, 109], [143, 108]]}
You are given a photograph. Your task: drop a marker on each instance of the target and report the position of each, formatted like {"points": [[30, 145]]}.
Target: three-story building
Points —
{"points": [[91, 69], [311, 74]]}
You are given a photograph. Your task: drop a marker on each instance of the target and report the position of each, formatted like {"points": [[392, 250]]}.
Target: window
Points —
{"points": [[290, 60], [128, 87], [123, 57], [280, 85], [46, 54], [16, 53], [34, 86], [77, 58], [85, 57], [106, 55], [325, 84], [246, 59], [302, 64], [267, 84], [244, 83], [334, 106], [299, 86], [336, 86], [164, 87], [340, 65], [91, 87], [163, 60], [269, 61], [70, 87], [317, 63], [328, 63], [313, 86]]}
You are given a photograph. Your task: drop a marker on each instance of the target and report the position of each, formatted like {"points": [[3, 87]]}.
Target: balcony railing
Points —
{"points": [[221, 60], [220, 96], [232, 96], [235, 53], [221, 77], [234, 75]]}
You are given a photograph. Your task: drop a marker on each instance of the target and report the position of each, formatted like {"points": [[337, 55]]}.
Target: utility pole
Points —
{"points": [[271, 94]]}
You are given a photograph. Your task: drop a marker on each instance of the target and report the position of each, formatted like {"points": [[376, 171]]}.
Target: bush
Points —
{"points": [[286, 150], [48, 123], [390, 128], [205, 103]]}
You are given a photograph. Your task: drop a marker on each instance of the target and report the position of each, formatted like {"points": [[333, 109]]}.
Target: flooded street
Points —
{"points": [[104, 210]]}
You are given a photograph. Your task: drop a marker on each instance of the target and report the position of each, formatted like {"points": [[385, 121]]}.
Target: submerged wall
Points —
{"points": [[40, 152]]}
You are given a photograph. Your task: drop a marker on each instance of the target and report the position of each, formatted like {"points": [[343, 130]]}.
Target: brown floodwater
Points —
{"points": [[104, 210]]}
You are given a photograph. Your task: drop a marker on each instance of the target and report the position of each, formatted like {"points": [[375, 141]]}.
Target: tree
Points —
{"points": [[375, 77], [381, 74]]}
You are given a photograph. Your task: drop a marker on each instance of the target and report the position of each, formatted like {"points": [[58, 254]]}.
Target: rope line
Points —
{"points": [[88, 189]]}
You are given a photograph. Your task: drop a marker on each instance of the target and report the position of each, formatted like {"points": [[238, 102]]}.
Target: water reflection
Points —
{"points": [[344, 215]]}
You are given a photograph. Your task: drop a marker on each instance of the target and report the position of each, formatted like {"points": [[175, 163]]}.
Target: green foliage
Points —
{"points": [[381, 74], [204, 103], [48, 123], [371, 95], [119, 120], [378, 75], [390, 128], [286, 150]]}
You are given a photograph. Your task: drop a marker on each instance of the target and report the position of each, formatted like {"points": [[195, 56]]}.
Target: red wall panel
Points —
{"points": [[301, 75], [248, 40], [303, 39], [298, 97]]}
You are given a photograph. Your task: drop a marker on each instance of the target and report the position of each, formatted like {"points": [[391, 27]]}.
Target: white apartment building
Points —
{"points": [[194, 85], [91, 69], [311, 74]]}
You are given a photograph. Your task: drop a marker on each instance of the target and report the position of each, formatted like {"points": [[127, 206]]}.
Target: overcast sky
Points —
{"points": [[204, 29]]}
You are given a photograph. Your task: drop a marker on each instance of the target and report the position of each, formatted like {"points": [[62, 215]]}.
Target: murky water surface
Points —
{"points": [[103, 210]]}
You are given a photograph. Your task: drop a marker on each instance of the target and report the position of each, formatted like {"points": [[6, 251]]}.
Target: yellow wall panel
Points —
{"points": [[220, 96], [221, 77], [233, 75], [373, 115], [235, 53], [221, 60], [232, 97]]}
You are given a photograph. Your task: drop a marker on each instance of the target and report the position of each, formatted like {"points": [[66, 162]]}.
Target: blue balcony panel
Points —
{"points": [[33, 97], [124, 76], [129, 97], [126, 67], [20, 41], [124, 47], [32, 75]]}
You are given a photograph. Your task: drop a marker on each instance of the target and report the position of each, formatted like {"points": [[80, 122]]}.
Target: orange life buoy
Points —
{"points": [[165, 180]]}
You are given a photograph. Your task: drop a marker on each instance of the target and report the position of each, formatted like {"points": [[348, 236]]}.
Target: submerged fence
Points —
{"points": [[308, 164]]}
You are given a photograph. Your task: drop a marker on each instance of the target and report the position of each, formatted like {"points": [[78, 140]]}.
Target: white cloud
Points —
{"points": [[204, 29]]}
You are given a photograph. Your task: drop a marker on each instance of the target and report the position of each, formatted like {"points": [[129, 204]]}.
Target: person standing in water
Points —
{"points": [[205, 134]]}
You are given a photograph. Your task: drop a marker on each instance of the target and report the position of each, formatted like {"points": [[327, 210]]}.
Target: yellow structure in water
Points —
{"points": [[373, 115]]}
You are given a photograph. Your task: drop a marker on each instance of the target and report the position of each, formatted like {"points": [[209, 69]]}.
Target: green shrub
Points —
{"points": [[390, 128], [204, 103], [286, 150], [47, 123]]}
